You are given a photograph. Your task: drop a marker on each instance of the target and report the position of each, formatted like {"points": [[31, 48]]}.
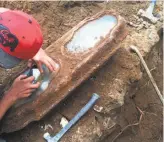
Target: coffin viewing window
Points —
{"points": [[91, 33]]}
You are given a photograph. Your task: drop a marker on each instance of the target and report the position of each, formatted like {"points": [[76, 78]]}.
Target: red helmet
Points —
{"points": [[20, 37]]}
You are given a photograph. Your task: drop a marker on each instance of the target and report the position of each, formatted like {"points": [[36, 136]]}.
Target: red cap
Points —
{"points": [[20, 34]]}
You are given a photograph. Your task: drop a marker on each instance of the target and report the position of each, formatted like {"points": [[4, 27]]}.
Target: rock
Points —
{"points": [[63, 122], [132, 24], [98, 108], [47, 126], [140, 27], [136, 17]]}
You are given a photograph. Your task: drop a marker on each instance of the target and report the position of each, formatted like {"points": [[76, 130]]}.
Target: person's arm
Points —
{"points": [[21, 88], [5, 104]]}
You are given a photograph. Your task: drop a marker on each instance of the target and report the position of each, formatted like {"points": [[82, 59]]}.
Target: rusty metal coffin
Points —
{"points": [[76, 65]]}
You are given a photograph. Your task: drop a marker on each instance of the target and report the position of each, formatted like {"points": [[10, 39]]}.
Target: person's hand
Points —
{"points": [[22, 87], [42, 58]]}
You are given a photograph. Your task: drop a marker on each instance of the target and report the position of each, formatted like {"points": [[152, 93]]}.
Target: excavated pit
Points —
{"points": [[75, 67]]}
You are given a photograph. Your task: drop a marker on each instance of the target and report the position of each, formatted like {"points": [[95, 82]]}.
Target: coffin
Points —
{"points": [[80, 52]]}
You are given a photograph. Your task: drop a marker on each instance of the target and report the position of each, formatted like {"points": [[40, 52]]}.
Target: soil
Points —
{"points": [[143, 96], [56, 18]]}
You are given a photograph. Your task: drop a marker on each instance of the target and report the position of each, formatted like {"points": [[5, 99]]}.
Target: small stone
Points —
{"points": [[47, 126], [146, 26], [63, 122], [141, 20], [136, 17], [98, 108], [133, 25], [140, 27], [152, 35], [138, 21], [102, 84], [140, 12], [144, 22]]}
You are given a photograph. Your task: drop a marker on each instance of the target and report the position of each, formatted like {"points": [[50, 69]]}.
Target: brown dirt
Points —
{"points": [[143, 95], [56, 18]]}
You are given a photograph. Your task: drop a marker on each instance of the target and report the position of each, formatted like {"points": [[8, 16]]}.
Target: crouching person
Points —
{"points": [[20, 39]]}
